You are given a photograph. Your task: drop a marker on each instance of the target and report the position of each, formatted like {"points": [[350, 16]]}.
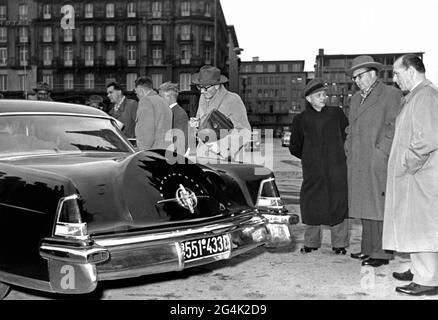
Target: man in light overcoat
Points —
{"points": [[373, 110], [411, 208]]}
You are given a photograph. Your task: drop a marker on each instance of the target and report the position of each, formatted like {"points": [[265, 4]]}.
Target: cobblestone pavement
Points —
{"points": [[274, 273]]}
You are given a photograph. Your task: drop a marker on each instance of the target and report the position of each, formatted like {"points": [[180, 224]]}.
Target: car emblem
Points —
{"points": [[186, 198]]}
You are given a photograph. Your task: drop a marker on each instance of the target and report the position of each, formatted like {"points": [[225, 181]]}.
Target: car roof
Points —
{"points": [[34, 106]]}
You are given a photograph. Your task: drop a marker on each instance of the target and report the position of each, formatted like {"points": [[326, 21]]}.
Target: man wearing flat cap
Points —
{"points": [[42, 91], [318, 136], [373, 110], [180, 121]]}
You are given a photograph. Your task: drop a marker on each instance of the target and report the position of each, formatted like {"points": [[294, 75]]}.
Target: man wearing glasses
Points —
{"points": [[373, 110], [42, 92], [214, 96]]}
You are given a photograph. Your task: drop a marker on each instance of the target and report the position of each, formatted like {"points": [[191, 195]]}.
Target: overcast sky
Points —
{"points": [[296, 29]]}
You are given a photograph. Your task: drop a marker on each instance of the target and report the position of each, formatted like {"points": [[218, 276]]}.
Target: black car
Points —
{"points": [[79, 205]]}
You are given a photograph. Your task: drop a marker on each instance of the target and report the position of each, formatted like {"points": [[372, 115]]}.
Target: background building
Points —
{"points": [[331, 68], [272, 92], [113, 40]]}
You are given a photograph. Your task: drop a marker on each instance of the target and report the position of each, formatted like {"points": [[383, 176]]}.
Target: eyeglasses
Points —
{"points": [[42, 93], [360, 75], [200, 88]]}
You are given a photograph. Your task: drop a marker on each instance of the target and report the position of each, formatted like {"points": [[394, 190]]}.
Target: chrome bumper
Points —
{"points": [[77, 269]]}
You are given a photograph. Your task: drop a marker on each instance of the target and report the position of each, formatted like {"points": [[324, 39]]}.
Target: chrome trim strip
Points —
{"points": [[21, 208], [26, 282], [69, 254], [55, 114], [180, 254], [109, 242]]}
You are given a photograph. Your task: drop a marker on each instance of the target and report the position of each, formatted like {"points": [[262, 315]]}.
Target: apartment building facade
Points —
{"points": [[272, 92], [117, 40]]}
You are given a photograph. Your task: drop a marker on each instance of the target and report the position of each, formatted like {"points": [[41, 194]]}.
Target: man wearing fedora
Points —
{"points": [[373, 110], [42, 92], [318, 136], [214, 96]]}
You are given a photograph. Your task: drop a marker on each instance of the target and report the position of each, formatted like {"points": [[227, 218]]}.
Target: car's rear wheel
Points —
{"points": [[4, 290]]}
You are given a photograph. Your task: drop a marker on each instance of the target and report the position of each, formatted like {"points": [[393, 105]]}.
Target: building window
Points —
{"points": [[157, 79], [68, 56], [132, 55], [157, 56], [89, 10], [23, 11], [3, 82], [131, 33], [208, 35], [89, 81], [156, 32], [23, 34], [207, 55], [22, 79], [186, 54], [3, 14], [23, 53], [3, 56], [259, 68], [47, 11], [89, 33], [284, 67], [110, 33], [3, 34], [47, 34], [130, 81], [185, 80], [109, 10], [185, 9], [110, 56], [271, 68], [296, 67], [208, 9], [131, 10], [47, 55], [48, 78], [68, 81], [68, 35], [89, 55], [156, 9], [185, 32]]}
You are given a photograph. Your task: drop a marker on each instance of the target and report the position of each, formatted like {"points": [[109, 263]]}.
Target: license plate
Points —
{"points": [[207, 247]]}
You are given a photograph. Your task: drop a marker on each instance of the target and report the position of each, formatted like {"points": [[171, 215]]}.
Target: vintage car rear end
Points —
{"points": [[83, 206]]}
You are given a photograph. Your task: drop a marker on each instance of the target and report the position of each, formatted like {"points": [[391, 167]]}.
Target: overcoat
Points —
{"points": [[369, 138], [127, 114], [317, 139], [154, 120], [411, 208]]}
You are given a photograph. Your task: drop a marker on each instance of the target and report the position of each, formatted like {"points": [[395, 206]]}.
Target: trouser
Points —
{"points": [[424, 266], [371, 245], [340, 235]]}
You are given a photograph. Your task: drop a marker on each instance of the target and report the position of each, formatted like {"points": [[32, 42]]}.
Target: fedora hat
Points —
{"points": [[364, 62], [313, 86], [209, 75], [42, 86]]}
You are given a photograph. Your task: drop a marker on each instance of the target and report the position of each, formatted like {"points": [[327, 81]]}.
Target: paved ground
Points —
{"points": [[279, 274]]}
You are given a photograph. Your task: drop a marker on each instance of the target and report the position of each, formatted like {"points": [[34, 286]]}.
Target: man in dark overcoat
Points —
{"points": [[317, 138], [373, 110], [180, 121], [124, 109]]}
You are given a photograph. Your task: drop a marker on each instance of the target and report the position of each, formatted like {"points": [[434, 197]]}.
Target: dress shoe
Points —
{"points": [[359, 256], [339, 250], [375, 262], [417, 290], [307, 249], [403, 276]]}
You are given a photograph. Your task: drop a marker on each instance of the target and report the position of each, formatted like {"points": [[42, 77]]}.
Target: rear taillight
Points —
{"points": [[68, 219], [268, 196]]}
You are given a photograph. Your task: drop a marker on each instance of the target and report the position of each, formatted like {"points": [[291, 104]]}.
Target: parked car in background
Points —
{"points": [[79, 205], [254, 143], [285, 139]]}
